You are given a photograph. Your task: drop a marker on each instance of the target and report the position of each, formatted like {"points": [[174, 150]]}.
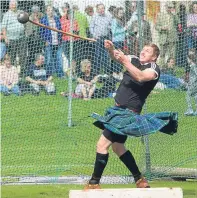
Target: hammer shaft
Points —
{"points": [[67, 33]]}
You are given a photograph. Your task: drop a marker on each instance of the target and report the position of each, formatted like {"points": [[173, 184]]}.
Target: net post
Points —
{"points": [[70, 73], [140, 9]]}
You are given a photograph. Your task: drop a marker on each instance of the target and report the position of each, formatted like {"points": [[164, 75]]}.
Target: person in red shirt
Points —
{"points": [[66, 26]]}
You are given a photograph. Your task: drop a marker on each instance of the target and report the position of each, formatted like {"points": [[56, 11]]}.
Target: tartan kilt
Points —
{"points": [[125, 122]]}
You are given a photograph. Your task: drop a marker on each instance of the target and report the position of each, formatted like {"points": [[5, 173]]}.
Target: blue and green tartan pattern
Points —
{"points": [[126, 122]]}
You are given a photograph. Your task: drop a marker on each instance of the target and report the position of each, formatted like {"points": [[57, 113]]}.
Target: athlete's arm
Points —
{"points": [[138, 75]]}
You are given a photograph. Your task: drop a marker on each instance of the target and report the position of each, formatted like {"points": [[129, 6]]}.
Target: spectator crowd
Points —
{"points": [[36, 55]]}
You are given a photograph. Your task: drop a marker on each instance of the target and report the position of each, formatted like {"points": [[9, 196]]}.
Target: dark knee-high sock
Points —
{"points": [[99, 166], [129, 161]]}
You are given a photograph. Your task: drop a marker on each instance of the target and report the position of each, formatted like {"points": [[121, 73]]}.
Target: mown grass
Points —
{"points": [[37, 141]]}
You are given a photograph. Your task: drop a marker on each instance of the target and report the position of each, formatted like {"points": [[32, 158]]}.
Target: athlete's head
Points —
{"points": [[149, 53]]}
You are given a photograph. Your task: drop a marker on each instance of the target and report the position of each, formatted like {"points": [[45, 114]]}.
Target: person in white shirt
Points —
{"points": [[100, 29], [9, 77], [14, 34]]}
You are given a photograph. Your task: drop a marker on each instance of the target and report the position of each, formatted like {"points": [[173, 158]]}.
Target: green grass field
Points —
{"points": [[62, 191], [36, 140]]}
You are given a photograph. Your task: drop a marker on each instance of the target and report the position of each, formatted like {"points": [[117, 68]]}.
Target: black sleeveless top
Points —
{"points": [[132, 94]]}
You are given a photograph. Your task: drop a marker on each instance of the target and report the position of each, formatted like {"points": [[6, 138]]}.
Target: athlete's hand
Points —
{"points": [[108, 45], [120, 56]]}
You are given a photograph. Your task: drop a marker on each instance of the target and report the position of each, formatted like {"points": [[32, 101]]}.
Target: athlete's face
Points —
{"points": [[147, 55]]}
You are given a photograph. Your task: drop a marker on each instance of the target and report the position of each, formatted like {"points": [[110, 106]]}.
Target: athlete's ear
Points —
{"points": [[154, 58]]}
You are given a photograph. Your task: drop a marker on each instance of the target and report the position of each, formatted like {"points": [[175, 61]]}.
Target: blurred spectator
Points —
{"points": [[134, 14], [101, 23], [100, 29], [146, 35], [81, 20], [130, 8], [8, 77], [52, 39], [186, 75], [14, 34], [181, 48], [192, 84], [89, 10], [2, 47], [111, 11], [82, 45], [118, 35], [38, 77], [72, 67], [56, 7], [168, 77], [192, 27], [2, 40], [166, 25], [108, 87], [65, 8], [66, 25], [86, 80], [137, 40], [131, 17], [170, 67], [35, 44]]}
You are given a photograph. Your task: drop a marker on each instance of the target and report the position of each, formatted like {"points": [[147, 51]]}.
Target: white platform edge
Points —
{"points": [[128, 193]]}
